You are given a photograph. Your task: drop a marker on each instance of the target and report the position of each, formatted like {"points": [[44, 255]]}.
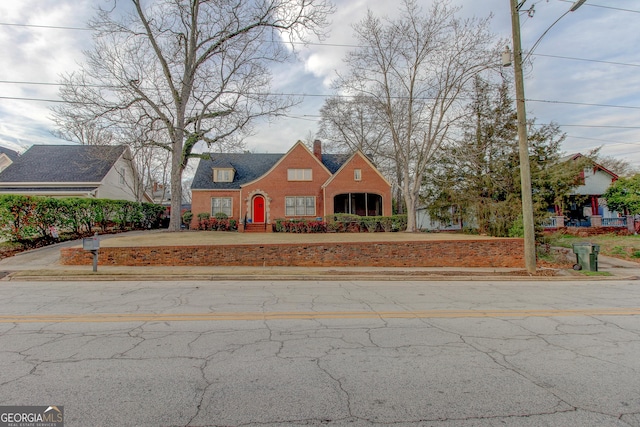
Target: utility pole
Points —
{"points": [[523, 146]]}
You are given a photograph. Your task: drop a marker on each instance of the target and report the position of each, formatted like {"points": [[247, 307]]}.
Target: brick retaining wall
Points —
{"points": [[458, 253]]}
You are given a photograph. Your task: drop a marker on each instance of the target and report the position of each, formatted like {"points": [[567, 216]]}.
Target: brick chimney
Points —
{"points": [[317, 149]]}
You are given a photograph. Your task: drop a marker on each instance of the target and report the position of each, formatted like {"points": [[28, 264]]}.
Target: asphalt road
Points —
{"points": [[409, 353]]}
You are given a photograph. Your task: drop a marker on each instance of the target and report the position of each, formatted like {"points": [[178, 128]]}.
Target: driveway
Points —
{"points": [[49, 256]]}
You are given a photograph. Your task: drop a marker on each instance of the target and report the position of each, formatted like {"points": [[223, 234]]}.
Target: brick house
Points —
{"points": [[256, 189]]}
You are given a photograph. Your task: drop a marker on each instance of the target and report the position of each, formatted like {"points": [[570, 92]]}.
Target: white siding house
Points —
{"points": [[586, 205], [105, 172]]}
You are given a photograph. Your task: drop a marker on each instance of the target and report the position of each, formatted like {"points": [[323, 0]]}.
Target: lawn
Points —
{"points": [[625, 247], [8, 249]]}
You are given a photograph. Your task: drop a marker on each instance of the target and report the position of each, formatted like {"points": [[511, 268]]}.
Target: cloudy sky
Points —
{"points": [[585, 72]]}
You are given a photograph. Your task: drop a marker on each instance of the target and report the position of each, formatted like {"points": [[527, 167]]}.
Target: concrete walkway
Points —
{"points": [[43, 264]]}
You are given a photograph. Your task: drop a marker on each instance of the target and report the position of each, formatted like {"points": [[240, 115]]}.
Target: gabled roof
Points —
{"points": [[334, 162], [367, 161], [62, 163], [12, 155], [596, 166], [248, 167]]}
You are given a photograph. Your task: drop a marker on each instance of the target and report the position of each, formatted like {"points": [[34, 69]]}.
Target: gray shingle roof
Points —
{"points": [[13, 155], [50, 189], [248, 167], [62, 163]]}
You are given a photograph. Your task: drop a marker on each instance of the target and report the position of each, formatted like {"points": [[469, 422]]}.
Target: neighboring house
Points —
{"points": [[97, 171], [425, 222], [7, 157], [586, 207], [257, 189], [160, 194]]}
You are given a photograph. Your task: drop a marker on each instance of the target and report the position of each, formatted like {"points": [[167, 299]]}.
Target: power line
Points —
{"points": [[320, 44], [16, 98], [603, 7], [319, 95], [608, 141], [601, 126], [54, 27], [582, 104], [30, 83], [586, 60]]}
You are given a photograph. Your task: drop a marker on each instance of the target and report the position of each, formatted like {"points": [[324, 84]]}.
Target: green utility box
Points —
{"points": [[586, 256]]}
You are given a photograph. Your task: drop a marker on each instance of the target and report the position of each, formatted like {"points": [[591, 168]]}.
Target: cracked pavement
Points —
{"points": [[427, 354]]}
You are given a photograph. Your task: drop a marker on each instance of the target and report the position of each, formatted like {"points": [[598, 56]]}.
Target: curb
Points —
{"points": [[312, 276]]}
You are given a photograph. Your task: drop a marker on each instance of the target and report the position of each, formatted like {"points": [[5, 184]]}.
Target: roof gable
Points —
{"points": [[297, 146], [250, 167], [62, 163], [349, 160], [596, 166]]}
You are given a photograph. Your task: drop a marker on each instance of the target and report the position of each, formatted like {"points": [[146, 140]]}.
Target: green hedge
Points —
{"points": [[299, 226], [355, 223], [31, 217], [342, 223]]}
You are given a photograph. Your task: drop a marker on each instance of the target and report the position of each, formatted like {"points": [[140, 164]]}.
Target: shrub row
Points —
{"points": [[299, 226], [343, 223], [30, 217], [219, 223]]}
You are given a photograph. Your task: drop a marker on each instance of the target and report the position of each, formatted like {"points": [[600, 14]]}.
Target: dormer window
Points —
{"points": [[223, 174]]}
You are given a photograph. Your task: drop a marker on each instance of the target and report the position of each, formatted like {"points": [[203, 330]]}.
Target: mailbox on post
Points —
{"points": [[92, 244]]}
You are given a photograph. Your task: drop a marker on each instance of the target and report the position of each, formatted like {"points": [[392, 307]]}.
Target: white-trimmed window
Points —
{"points": [[357, 174], [300, 206], [299, 174], [223, 175], [221, 205]]}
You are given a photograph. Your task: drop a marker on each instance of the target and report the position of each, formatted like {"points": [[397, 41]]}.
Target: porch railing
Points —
{"points": [[578, 223], [614, 222], [606, 222]]}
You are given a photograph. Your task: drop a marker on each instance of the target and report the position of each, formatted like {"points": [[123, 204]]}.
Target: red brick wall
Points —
{"points": [[201, 202], [595, 231], [468, 253]]}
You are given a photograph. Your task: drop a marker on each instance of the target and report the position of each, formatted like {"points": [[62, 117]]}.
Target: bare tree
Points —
{"points": [[353, 123], [418, 69], [620, 167], [72, 126], [356, 123], [189, 70]]}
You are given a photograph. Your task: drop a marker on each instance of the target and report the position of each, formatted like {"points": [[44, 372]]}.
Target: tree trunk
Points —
{"points": [[410, 200], [177, 168]]}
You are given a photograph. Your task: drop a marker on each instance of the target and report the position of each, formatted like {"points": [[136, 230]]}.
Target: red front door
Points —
{"points": [[258, 210]]}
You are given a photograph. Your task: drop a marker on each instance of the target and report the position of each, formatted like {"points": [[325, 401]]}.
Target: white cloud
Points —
{"points": [[40, 55]]}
